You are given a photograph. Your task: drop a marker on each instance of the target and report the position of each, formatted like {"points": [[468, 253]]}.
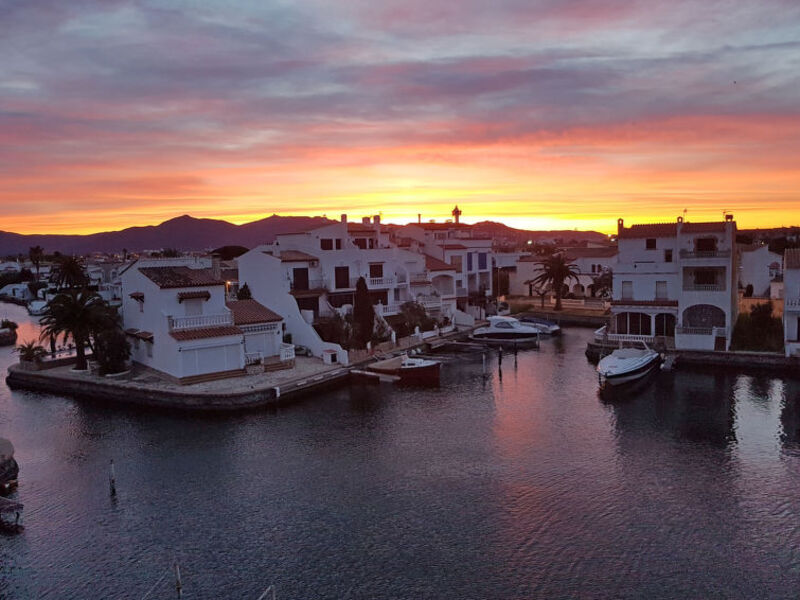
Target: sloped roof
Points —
{"points": [[649, 230], [296, 256], [791, 258], [434, 264], [184, 335], [180, 277], [708, 227], [248, 312], [195, 294], [360, 228]]}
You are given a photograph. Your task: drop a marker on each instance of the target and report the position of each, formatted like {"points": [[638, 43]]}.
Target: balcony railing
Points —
{"points": [[694, 330], [792, 302], [602, 335], [705, 253], [421, 277], [703, 287], [200, 321], [286, 352], [430, 302], [374, 282]]}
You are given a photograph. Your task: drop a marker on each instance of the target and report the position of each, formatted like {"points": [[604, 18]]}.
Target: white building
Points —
{"points": [[178, 321], [791, 302], [676, 281], [758, 267], [590, 263]]}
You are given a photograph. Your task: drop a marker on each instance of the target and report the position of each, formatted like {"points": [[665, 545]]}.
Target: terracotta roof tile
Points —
{"points": [[296, 256], [711, 227], [184, 335], [180, 277], [650, 230], [434, 264], [247, 312], [204, 294]]}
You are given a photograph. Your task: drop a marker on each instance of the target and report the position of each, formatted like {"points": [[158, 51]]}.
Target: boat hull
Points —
{"points": [[620, 379], [510, 340], [417, 375]]}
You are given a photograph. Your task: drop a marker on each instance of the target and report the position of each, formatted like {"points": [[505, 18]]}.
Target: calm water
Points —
{"points": [[523, 486]]}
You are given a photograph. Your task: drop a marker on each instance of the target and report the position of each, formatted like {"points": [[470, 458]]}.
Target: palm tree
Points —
{"points": [[70, 273], [36, 254], [555, 270], [76, 315]]}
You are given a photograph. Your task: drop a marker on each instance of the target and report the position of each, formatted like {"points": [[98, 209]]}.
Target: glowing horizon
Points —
{"points": [[545, 114]]}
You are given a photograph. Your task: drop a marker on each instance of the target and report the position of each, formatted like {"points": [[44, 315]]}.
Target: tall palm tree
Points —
{"points": [[70, 273], [555, 270], [36, 254], [76, 315]]}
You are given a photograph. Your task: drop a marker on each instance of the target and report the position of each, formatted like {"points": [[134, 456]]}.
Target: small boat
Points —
{"points": [[627, 365], [506, 331], [545, 327], [411, 371], [8, 336], [9, 469], [37, 308]]}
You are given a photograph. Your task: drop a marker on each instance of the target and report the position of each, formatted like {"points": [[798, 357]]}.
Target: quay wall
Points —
{"points": [[118, 391], [567, 318]]}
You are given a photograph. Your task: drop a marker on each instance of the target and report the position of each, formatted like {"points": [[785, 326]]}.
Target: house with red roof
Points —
{"points": [[676, 282], [180, 323]]}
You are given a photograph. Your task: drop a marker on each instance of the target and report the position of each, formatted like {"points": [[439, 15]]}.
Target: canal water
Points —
{"points": [[523, 485]]}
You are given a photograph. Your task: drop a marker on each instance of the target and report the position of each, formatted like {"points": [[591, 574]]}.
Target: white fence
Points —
{"points": [[200, 321]]}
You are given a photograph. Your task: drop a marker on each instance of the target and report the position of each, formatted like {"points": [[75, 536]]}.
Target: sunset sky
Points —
{"points": [[539, 113]]}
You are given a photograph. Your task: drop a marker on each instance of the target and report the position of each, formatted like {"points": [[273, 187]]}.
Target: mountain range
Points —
{"points": [[189, 233]]}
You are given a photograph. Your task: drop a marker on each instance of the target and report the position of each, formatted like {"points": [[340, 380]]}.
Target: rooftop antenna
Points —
{"points": [[685, 210]]}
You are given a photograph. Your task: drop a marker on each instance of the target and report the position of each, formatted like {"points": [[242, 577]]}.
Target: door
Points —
{"points": [[342, 275], [376, 269], [300, 278]]}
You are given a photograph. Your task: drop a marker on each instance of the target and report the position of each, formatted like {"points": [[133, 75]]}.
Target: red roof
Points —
{"points": [[713, 227], [434, 264], [248, 312], [296, 256], [203, 294], [180, 277], [651, 230], [360, 228], [184, 335]]}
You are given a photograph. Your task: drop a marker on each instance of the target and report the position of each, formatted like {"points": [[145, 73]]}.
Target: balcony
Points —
{"points": [[420, 278], [792, 304], [200, 321], [602, 335], [311, 284], [690, 254], [378, 282], [430, 302], [703, 287]]}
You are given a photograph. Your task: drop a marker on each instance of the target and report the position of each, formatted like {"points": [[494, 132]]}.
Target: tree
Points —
{"points": [[555, 270], [111, 350], [30, 352], [244, 293], [748, 291], [363, 313], [69, 273], [603, 284], [75, 315], [36, 254], [170, 253]]}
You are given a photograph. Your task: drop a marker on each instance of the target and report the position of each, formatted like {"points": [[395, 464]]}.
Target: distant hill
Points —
{"points": [[520, 236], [189, 233], [183, 233]]}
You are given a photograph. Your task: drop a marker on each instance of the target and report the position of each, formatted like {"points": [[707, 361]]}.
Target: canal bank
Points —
{"points": [[144, 387]]}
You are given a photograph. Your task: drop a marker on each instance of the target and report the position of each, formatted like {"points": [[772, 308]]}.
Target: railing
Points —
{"points": [[792, 302], [705, 253], [312, 284], [430, 302], [385, 310], [601, 335], [286, 352], [694, 330], [200, 321], [252, 358], [421, 277], [380, 282], [703, 287]]}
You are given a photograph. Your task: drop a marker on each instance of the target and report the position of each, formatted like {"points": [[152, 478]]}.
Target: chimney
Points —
{"points": [[216, 269], [365, 220], [620, 226], [419, 217], [376, 219], [344, 217]]}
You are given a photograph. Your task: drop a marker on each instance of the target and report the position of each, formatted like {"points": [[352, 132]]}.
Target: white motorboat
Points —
{"points": [[545, 327], [410, 370], [37, 307], [626, 365], [506, 331]]}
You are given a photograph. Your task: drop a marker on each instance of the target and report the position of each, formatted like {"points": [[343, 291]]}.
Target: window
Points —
{"points": [[650, 243], [326, 244], [338, 243], [469, 261], [482, 260], [342, 275], [456, 262], [627, 290], [193, 307], [705, 277], [594, 268], [149, 346], [705, 244], [503, 325], [661, 290], [667, 256], [300, 278], [361, 243], [376, 270]]}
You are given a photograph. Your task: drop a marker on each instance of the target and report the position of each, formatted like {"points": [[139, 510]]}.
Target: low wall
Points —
{"points": [[125, 393], [565, 318]]}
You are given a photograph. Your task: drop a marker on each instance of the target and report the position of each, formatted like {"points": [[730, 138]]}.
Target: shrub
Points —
{"points": [[758, 331], [244, 293], [30, 352], [111, 351]]}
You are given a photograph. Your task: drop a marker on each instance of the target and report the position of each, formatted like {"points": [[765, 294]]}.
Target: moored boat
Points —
{"points": [[9, 469], [410, 370], [36, 308], [545, 327], [626, 365], [506, 331]]}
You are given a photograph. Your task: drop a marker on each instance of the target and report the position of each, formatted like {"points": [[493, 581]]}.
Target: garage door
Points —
{"points": [[202, 361]]}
